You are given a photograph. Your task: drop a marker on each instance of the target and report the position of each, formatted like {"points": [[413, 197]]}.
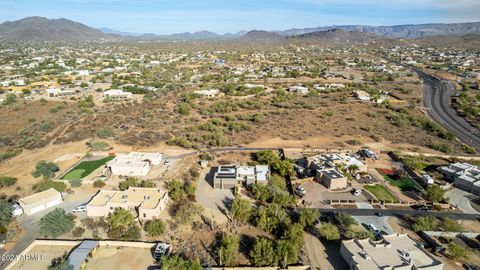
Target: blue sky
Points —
{"points": [[172, 16]]}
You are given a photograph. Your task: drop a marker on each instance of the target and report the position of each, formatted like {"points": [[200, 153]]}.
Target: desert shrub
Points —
{"points": [[6, 181], [55, 223]]}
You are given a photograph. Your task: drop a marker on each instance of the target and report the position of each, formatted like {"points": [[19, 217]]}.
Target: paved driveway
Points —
{"points": [[208, 197], [461, 199], [380, 222]]}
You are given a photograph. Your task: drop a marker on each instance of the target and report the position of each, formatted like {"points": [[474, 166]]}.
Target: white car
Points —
{"points": [[357, 192], [300, 191], [16, 210], [80, 208]]}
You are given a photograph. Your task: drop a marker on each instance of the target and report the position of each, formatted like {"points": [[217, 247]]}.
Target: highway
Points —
{"points": [[437, 96]]}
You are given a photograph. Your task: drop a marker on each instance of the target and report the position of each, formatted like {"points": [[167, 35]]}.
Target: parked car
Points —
{"points": [[16, 210], [80, 208], [373, 228], [161, 249], [356, 192], [300, 191]]}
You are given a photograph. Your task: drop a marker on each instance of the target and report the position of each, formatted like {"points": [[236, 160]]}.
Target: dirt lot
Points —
{"points": [[123, 258], [46, 253]]}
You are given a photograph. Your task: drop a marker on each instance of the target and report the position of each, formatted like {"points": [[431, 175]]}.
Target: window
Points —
{"points": [[146, 197], [124, 197], [144, 215]]}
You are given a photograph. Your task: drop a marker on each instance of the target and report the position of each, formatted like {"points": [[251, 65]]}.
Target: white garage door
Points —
{"points": [[53, 203], [37, 209]]}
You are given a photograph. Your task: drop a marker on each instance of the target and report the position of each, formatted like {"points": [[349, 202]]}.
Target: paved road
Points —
{"points": [[221, 149], [461, 199], [401, 212], [437, 98]]}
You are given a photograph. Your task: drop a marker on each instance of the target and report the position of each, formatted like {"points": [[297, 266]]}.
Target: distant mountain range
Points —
{"points": [[43, 29], [398, 31]]}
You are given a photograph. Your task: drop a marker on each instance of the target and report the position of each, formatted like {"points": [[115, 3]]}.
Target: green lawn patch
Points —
{"points": [[380, 192], [85, 168], [405, 183]]}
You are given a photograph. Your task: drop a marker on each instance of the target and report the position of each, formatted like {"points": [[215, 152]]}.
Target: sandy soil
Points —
{"points": [[46, 253], [124, 258]]}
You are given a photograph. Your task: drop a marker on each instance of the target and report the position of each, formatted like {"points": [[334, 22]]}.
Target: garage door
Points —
{"points": [[53, 203], [37, 209]]}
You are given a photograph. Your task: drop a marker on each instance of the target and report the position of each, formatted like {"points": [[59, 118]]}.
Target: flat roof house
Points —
{"points": [[40, 201], [325, 166], [396, 251], [117, 94], [146, 202], [331, 178], [228, 176], [465, 176], [57, 92], [362, 95], [207, 93], [301, 90], [134, 163]]}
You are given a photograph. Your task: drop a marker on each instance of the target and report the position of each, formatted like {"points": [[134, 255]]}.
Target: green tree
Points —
{"points": [[345, 220], [227, 251], [175, 262], [178, 191], [425, 223], [263, 252], [450, 225], [278, 181], [286, 253], [56, 223], [5, 213], [457, 252], [122, 225], [185, 211], [357, 232], [435, 193], [328, 231], [10, 99], [155, 227], [45, 169], [241, 210], [308, 216]]}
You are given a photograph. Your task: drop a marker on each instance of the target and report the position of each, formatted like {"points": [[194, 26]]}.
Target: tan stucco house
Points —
{"points": [[146, 202]]}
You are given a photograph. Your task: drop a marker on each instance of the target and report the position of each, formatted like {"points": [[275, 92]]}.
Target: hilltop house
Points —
{"points": [[57, 92], [299, 89], [207, 93], [117, 94]]}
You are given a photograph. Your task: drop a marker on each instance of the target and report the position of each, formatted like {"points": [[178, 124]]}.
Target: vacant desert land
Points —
{"points": [[46, 254], [123, 258]]}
